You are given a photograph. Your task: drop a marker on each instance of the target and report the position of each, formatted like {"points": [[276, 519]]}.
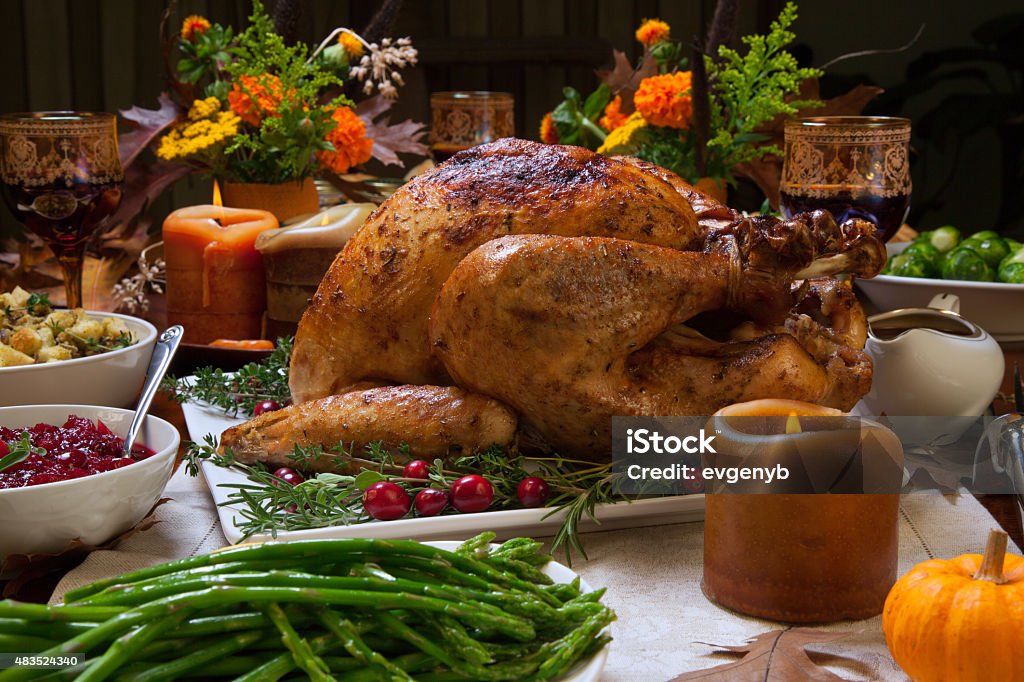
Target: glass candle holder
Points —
{"points": [[851, 166], [460, 120]]}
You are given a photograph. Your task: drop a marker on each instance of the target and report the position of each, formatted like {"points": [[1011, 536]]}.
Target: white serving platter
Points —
{"points": [[203, 419]]}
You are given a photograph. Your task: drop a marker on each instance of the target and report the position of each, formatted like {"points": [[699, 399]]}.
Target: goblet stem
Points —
{"points": [[71, 265]]}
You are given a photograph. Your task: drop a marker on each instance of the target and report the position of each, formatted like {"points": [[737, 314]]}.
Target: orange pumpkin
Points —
{"points": [[960, 620]]}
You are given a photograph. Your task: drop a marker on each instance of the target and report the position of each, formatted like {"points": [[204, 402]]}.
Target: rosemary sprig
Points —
{"points": [[268, 505], [238, 392]]}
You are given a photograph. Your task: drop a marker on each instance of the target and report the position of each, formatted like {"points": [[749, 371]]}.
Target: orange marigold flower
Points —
{"points": [[193, 26], [665, 100], [255, 97], [548, 132], [652, 32], [353, 46], [351, 146], [613, 116]]}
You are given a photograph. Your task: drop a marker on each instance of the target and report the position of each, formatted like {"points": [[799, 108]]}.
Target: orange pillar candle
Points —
{"points": [[803, 558], [215, 281]]}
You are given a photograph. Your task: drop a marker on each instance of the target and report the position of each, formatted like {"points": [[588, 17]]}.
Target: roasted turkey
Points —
{"points": [[573, 287]]}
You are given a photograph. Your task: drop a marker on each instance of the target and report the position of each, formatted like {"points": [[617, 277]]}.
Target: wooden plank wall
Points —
{"points": [[105, 54]]}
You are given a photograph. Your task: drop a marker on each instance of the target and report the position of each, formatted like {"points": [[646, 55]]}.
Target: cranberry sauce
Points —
{"points": [[76, 449]]}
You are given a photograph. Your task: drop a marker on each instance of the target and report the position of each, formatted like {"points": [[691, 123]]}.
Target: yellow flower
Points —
{"points": [[652, 32], [193, 26], [353, 46], [626, 138], [665, 100], [548, 132], [205, 128], [203, 108]]}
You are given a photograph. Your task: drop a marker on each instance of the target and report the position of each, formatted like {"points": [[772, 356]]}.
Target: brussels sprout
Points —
{"points": [[992, 250], [982, 235], [911, 265], [944, 238], [923, 250], [1014, 245], [966, 264], [1011, 268]]}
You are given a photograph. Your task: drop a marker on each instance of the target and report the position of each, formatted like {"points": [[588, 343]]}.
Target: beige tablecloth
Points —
{"points": [[652, 576]]}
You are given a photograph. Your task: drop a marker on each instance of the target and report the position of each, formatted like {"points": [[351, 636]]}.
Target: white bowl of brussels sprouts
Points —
{"points": [[984, 270]]}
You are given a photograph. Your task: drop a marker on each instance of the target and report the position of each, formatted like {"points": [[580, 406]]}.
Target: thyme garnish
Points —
{"points": [[238, 392], [268, 505]]}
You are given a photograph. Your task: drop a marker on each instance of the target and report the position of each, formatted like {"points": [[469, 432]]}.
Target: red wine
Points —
{"points": [[887, 213], [65, 217]]}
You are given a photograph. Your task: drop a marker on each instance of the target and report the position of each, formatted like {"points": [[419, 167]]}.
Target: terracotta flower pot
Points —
{"points": [[285, 200]]}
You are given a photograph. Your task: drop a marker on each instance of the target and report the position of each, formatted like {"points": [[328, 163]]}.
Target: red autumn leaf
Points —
{"points": [[389, 139]]}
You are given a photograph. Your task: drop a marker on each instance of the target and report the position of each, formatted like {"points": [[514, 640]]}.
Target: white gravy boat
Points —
{"points": [[931, 362]]}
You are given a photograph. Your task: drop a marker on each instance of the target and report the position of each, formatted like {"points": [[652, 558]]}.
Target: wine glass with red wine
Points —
{"points": [[851, 166], [61, 176]]}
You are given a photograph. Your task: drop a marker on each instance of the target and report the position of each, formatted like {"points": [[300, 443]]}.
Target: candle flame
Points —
{"points": [[218, 201], [792, 423], [325, 219]]}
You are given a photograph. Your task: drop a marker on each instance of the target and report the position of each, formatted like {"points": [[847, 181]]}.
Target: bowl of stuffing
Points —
{"points": [[50, 355]]}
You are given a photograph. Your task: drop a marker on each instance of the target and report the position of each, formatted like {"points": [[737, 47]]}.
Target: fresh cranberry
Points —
{"points": [[265, 406], [430, 501], [472, 494], [289, 475], [386, 501], [417, 468], [533, 491], [4, 450]]}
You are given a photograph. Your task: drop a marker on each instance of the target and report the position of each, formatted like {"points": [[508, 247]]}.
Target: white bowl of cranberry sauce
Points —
{"points": [[110, 378], [74, 483]]}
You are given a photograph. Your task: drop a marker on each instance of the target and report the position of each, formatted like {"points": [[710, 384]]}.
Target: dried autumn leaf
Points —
{"points": [[624, 79], [148, 124], [776, 656], [390, 138]]}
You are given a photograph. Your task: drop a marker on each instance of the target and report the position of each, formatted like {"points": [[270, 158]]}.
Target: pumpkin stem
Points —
{"points": [[991, 568]]}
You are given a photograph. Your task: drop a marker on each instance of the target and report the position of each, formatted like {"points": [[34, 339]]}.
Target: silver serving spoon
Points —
{"points": [[163, 353]]}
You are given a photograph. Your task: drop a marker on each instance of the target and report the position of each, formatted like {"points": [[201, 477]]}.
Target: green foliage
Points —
{"points": [[670, 56], [748, 91], [576, 120], [205, 56]]}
